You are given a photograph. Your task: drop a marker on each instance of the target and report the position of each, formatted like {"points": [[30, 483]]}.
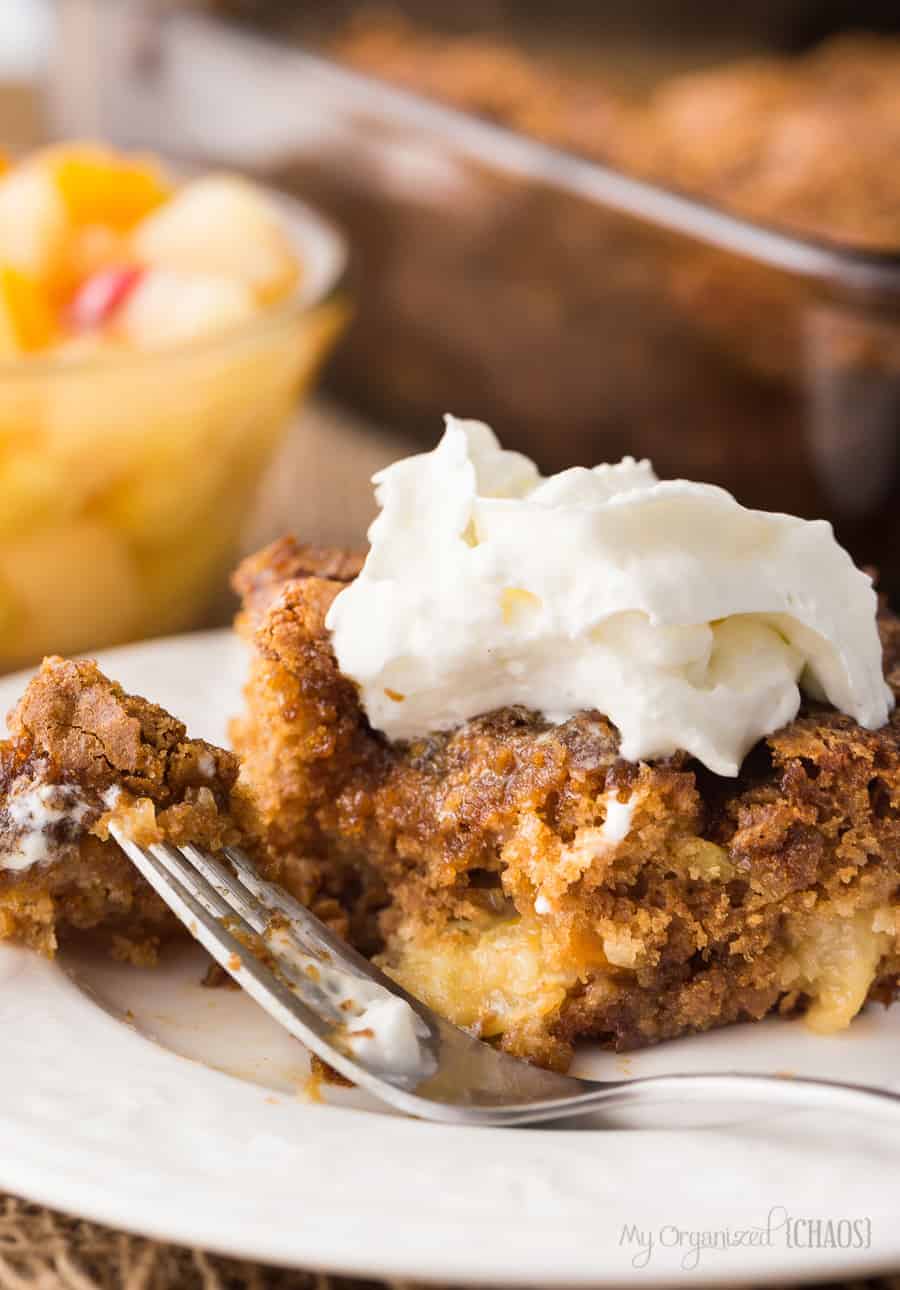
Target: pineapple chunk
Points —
{"points": [[98, 415], [33, 222], [33, 487], [26, 319], [835, 961], [170, 308], [488, 979], [100, 187], [221, 225]]}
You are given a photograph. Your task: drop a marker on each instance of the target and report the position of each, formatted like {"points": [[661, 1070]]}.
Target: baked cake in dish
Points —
{"points": [[550, 875], [805, 141]]}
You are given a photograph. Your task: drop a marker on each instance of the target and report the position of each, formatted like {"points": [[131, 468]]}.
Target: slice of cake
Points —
{"points": [[81, 754], [729, 847]]}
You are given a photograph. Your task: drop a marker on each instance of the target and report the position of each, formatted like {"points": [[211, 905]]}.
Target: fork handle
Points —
{"points": [[798, 1091]]}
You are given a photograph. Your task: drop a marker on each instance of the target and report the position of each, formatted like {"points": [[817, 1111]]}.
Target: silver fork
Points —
{"points": [[386, 1041]]}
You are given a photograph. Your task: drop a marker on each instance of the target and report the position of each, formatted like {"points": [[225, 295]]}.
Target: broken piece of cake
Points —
{"points": [[621, 752], [82, 755]]}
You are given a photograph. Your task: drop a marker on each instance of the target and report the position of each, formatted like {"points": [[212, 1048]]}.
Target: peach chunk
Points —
{"points": [[100, 187], [26, 318]]}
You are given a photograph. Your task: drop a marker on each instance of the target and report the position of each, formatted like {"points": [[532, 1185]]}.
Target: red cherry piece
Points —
{"points": [[102, 294]]}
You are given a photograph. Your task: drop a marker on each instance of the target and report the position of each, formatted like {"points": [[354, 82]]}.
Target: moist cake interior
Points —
{"points": [[541, 889]]}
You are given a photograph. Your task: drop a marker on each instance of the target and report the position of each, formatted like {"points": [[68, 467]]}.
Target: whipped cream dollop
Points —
{"points": [[690, 621]]}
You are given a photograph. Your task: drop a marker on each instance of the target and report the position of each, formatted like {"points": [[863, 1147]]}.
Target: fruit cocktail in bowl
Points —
{"points": [[154, 338]]}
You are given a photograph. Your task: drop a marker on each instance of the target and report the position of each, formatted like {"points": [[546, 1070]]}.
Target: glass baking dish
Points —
{"points": [[585, 313]]}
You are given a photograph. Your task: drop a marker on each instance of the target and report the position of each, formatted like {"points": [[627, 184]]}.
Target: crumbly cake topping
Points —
{"points": [[260, 578], [90, 731]]}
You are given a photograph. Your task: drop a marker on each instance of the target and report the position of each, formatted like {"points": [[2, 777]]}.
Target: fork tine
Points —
{"points": [[296, 960], [222, 883], [202, 909], [321, 1015], [218, 886], [293, 933], [309, 929], [212, 900], [278, 901], [315, 933]]}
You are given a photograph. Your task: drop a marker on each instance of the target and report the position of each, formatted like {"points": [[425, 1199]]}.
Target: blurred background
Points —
{"points": [[657, 228]]}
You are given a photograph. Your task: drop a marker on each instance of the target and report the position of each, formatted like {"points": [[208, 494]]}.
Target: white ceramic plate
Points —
{"points": [[144, 1101]]}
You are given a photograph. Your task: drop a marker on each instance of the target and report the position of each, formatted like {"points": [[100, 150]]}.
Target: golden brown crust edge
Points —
{"points": [[260, 578], [93, 732]]}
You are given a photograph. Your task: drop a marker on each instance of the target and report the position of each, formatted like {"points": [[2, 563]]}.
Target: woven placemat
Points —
{"points": [[44, 1250]]}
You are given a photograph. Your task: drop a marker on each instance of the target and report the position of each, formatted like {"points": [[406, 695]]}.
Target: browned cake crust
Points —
{"points": [[260, 578], [88, 731], [511, 908], [340, 889]]}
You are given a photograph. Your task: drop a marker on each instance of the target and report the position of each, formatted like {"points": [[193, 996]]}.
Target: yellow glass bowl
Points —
{"points": [[125, 481]]}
